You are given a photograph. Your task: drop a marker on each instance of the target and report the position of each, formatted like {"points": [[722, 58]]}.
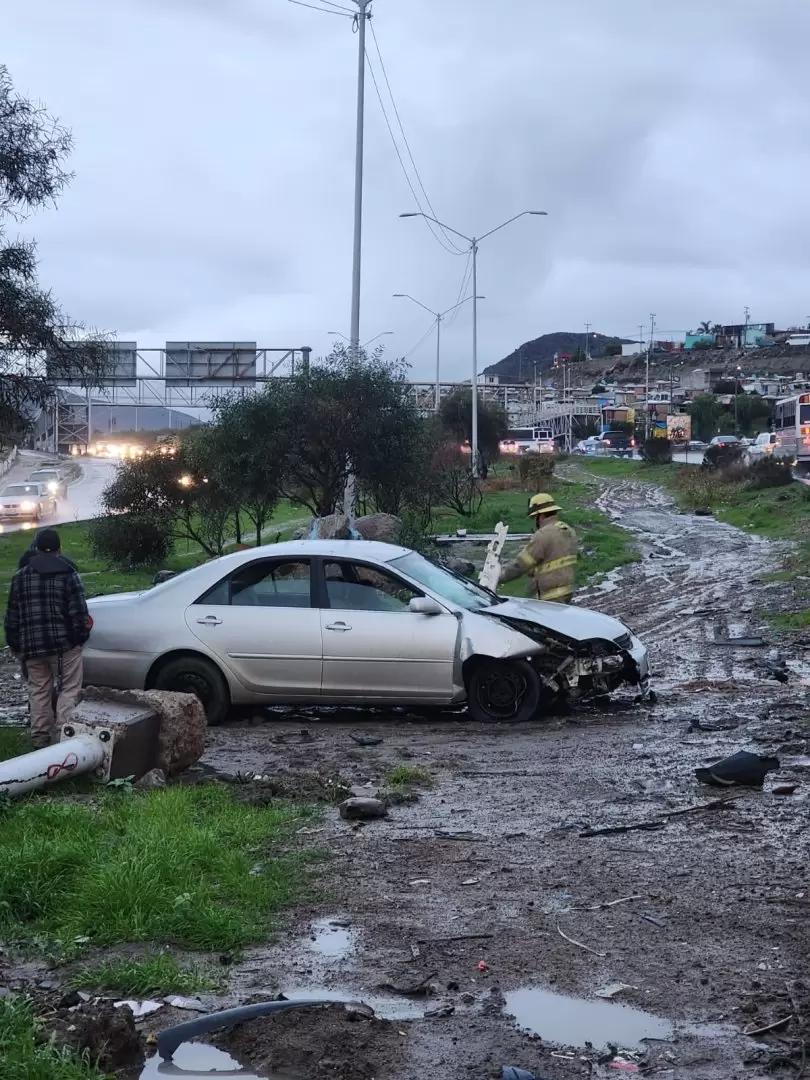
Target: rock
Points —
{"points": [[354, 809], [438, 1012], [382, 527], [69, 1000], [703, 511], [300, 534], [333, 527], [155, 778], [163, 575], [467, 998], [188, 1003], [784, 789], [183, 724], [461, 566]]}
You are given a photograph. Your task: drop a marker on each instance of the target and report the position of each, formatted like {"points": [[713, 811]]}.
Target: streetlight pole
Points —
{"points": [[362, 17], [647, 381], [438, 316], [474, 241], [337, 333]]}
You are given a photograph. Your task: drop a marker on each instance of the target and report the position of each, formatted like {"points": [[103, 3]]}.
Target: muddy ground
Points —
{"points": [[484, 890]]}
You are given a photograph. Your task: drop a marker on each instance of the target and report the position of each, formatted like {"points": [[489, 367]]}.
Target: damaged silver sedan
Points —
{"points": [[339, 622]]}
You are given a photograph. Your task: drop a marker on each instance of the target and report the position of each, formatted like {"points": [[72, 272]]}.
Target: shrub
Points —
{"points": [[657, 451], [535, 470], [131, 540], [770, 472]]}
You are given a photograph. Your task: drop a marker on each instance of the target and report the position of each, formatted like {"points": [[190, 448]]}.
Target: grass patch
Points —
{"points": [[142, 978], [13, 742], [793, 620], [410, 776], [25, 1057], [189, 866]]}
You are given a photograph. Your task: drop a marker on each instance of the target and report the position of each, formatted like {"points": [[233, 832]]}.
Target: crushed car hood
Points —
{"points": [[580, 624]]}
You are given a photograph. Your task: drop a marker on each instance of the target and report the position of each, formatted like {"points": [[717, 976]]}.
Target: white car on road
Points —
{"points": [[338, 622], [26, 502]]}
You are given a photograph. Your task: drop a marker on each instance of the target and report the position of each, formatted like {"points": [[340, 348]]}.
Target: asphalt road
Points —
{"points": [[83, 494]]}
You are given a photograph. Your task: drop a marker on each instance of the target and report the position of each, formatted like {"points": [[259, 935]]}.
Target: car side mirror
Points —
{"points": [[423, 605]]}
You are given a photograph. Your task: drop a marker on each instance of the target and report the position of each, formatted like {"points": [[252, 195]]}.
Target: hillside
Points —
{"points": [[519, 366]]}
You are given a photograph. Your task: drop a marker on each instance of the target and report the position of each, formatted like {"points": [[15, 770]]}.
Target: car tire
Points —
{"points": [[503, 691], [198, 676]]}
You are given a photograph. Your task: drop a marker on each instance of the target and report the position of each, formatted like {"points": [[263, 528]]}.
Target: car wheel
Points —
{"points": [[198, 676], [503, 691]]}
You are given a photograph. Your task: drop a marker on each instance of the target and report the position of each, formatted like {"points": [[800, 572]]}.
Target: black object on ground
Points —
{"points": [[742, 769], [171, 1038], [510, 1072], [366, 740], [359, 809]]}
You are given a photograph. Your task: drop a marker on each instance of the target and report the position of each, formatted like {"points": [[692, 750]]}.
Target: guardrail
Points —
{"points": [[8, 461]]}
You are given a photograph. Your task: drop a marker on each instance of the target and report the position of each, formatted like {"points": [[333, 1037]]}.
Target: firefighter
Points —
{"points": [[551, 555]]}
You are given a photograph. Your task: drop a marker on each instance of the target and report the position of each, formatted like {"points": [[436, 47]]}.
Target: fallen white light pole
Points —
{"points": [[41, 768]]}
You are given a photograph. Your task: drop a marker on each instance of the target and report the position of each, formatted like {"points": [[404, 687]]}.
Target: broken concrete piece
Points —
{"points": [[358, 809], [139, 1008], [188, 1003], [332, 527], [183, 724]]}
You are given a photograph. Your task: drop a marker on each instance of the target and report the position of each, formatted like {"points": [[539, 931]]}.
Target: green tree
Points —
{"points": [[348, 415], [613, 348], [753, 414], [706, 412], [455, 419], [246, 446], [39, 344]]}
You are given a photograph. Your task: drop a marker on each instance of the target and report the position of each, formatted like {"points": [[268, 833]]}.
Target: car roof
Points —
{"points": [[339, 549]]}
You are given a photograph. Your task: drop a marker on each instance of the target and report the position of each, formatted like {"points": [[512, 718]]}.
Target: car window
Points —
{"points": [[267, 583], [355, 587], [22, 489]]}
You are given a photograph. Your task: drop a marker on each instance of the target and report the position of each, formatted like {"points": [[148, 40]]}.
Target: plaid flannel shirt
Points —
{"points": [[47, 612]]}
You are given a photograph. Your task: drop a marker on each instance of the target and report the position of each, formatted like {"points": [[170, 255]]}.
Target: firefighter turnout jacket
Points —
{"points": [[551, 559]]}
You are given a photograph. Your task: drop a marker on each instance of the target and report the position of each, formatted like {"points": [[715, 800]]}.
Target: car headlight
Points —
{"points": [[53, 486], [28, 507]]}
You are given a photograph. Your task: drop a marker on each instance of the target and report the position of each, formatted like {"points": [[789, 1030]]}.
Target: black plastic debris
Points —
{"points": [[741, 642], [741, 770], [510, 1072]]}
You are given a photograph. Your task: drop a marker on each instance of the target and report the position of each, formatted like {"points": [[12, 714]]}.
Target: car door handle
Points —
{"points": [[339, 627], [209, 620]]}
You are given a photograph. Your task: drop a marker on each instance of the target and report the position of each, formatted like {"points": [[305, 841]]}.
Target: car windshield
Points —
{"points": [[21, 489], [453, 587], [44, 474]]}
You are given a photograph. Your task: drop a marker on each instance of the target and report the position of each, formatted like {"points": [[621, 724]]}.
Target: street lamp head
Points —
{"points": [[539, 213], [410, 215], [399, 295]]}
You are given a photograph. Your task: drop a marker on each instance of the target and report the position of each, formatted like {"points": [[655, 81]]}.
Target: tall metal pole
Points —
{"points": [[438, 361], [587, 340], [354, 330], [474, 446], [647, 380]]}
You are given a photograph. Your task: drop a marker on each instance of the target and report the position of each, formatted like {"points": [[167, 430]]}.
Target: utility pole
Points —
{"points": [[587, 341], [647, 380], [745, 332], [360, 20], [438, 316]]}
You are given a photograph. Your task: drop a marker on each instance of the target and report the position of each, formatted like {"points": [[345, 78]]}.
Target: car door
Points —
{"points": [[374, 647], [261, 623]]}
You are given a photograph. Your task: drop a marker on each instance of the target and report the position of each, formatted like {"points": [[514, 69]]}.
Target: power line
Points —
{"points": [[447, 236], [421, 341], [437, 236], [343, 13], [465, 282]]}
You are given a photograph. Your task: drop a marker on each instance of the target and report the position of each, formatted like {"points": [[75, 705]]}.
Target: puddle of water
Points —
{"points": [[198, 1060], [574, 1021], [331, 940]]}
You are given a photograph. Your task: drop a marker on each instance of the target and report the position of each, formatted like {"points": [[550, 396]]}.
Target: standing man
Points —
{"points": [[550, 556], [47, 624]]}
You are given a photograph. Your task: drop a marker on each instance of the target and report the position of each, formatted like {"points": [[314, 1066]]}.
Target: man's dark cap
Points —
{"points": [[48, 541]]}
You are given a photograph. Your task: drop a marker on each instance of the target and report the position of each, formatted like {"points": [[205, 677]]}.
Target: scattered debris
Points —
{"points": [[769, 1027], [784, 789], [579, 944], [652, 919], [155, 778], [612, 989], [743, 769], [454, 937], [187, 1003], [613, 903], [439, 1012], [139, 1008], [366, 740], [410, 984], [362, 809], [741, 642]]}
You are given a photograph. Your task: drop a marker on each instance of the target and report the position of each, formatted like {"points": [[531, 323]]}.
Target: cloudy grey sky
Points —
{"points": [[667, 139]]}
